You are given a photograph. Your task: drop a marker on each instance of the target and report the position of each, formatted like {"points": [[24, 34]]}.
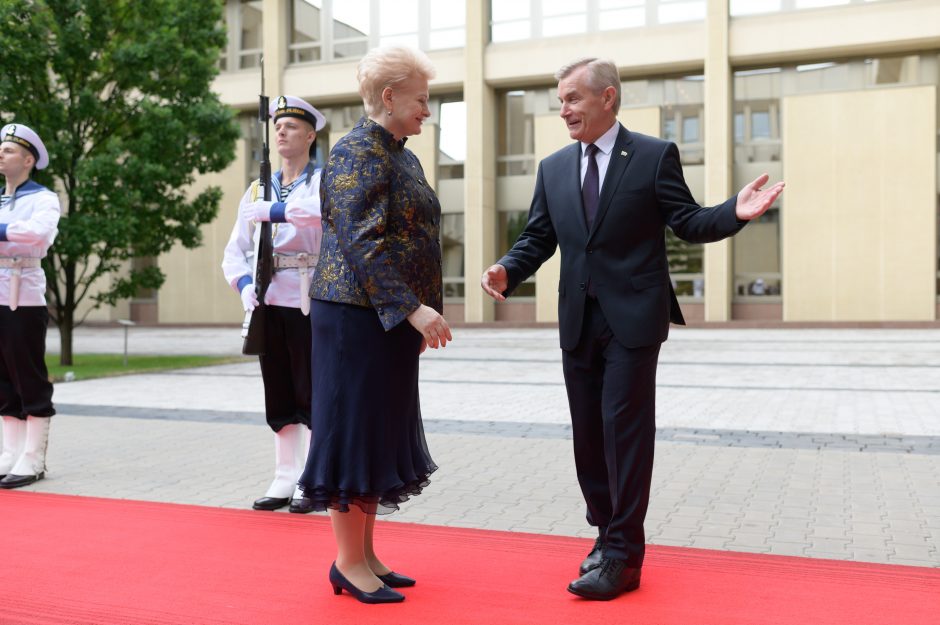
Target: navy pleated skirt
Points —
{"points": [[368, 446]]}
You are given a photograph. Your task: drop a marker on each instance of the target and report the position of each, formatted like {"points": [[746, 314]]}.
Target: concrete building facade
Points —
{"points": [[837, 97]]}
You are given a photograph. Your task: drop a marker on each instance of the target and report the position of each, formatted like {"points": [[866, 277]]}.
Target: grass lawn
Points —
{"points": [[88, 366]]}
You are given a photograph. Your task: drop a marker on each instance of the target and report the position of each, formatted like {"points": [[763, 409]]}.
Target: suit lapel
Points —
{"points": [[620, 158]]}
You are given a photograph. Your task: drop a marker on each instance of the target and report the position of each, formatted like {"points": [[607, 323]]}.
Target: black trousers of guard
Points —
{"points": [[612, 396], [285, 367], [24, 380]]}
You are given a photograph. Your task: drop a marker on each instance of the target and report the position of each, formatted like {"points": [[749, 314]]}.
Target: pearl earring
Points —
{"points": [[389, 112]]}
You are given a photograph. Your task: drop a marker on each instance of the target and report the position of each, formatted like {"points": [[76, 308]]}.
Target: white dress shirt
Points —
{"points": [[605, 145]]}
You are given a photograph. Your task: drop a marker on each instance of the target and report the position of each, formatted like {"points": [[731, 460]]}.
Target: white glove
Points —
{"points": [[257, 211], [249, 297]]}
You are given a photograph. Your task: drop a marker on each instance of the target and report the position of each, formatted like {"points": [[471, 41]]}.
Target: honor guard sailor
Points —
{"points": [[285, 365], [29, 216]]}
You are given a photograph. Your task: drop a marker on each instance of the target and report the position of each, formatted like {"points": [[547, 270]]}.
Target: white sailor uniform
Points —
{"points": [[28, 225], [285, 366]]}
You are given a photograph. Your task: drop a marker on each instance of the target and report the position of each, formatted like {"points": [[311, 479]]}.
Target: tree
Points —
{"points": [[119, 91]]}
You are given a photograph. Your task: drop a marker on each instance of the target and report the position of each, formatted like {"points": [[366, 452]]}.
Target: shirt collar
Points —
{"points": [[605, 143], [27, 188]]}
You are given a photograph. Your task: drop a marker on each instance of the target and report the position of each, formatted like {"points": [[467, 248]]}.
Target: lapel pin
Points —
{"points": [[623, 153]]}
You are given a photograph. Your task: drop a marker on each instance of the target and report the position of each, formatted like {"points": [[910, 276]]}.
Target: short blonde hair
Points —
{"points": [[389, 66]]}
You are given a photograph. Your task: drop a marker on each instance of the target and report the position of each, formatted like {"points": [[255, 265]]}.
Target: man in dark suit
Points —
{"points": [[606, 201]]}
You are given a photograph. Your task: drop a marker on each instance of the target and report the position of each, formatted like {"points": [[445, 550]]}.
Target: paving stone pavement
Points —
{"points": [[819, 443]]}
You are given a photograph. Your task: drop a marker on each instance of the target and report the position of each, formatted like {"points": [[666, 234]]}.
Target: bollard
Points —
{"points": [[126, 323]]}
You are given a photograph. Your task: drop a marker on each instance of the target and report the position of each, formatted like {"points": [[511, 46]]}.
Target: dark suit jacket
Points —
{"points": [[624, 254]]}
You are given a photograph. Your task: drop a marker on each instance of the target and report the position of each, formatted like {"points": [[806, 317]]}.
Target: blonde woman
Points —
{"points": [[377, 304]]}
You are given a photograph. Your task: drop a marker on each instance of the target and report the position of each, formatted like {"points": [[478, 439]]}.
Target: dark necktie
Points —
{"points": [[589, 188]]}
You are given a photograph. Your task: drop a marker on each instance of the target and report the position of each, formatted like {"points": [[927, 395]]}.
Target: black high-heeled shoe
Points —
{"points": [[382, 595], [394, 580]]}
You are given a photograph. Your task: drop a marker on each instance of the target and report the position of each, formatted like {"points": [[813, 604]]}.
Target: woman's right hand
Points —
{"points": [[431, 325]]}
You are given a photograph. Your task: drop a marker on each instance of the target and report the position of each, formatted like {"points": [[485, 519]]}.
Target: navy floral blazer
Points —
{"points": [[381, 228]]}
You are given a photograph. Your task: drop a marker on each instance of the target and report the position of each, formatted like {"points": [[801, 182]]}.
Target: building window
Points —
{"points": [[516, 134], [447, 21], [451, 117], [760, 125], [331, 30], [399, 22], [757, 146], [535, 19], [669, 129], [563, 17], [757, 275], [306, 41], [672, 11], [243, 23], [755, 7], [509, 226], [511, 21], [248, 23], [252, 135], [351, 28], [452, 141], [452, 255], [690, 130], [618, 14], [682, 107], [681, 124]]}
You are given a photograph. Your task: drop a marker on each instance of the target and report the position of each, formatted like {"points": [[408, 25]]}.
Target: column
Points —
{"points": [[480, 166], [718, 160]]}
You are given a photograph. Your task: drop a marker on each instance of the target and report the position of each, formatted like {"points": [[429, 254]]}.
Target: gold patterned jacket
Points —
{"points": [[381, 228]]}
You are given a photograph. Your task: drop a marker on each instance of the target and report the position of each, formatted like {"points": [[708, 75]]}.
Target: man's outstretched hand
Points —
{"points": [[754, 201]]}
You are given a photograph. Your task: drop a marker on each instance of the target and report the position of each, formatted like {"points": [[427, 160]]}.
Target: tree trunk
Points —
{"points": [[65, 339]]}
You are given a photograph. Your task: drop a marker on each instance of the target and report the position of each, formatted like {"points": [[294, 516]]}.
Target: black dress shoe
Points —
{"points": [[593, 559], [303, 505], [382, 595], [11, 480], [394, 580], [608, 581], [270, 503]]}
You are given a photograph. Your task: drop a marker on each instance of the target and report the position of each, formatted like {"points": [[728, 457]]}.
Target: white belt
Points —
{"points": [[302, 262], [295, 262], [17, 265]]}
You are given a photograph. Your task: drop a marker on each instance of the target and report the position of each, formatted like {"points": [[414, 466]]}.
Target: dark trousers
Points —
{"points": [[24, 380], [612, 397], [285, 367]]}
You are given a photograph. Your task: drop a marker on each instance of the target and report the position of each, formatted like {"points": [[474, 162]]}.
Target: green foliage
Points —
{"points": [[119, 91]]}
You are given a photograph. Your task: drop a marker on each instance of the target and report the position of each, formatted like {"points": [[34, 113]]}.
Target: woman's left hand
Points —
{"points": [[431, 325]]}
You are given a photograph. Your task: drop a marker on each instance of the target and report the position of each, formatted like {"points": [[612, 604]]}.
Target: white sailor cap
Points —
{"points": [[290, 106], [26, 137]]}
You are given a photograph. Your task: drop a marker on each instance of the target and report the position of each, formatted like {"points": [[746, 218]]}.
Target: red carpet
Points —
{"points": [[76, 560]]}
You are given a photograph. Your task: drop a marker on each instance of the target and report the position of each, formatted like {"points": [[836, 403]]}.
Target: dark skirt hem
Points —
{"points": [[324, 499]]}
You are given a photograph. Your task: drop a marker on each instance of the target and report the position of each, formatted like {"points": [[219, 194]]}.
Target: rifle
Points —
{"points": [[253, 326]]}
